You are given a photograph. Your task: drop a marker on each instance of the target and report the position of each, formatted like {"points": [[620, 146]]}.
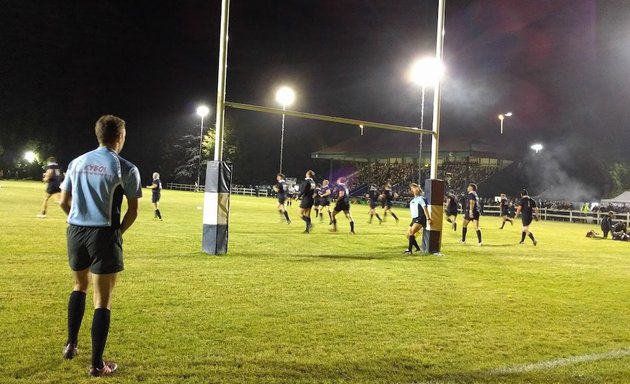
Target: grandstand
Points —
{"points": [[378, 158]]}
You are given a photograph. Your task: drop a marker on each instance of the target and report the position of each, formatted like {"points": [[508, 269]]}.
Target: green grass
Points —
{"points": [[284, 307]]}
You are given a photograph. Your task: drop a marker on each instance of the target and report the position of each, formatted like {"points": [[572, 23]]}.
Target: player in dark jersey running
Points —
{"points": [[451, 209], [52, 178], [419, 217], [343, 204], [156, 194], [471, 212], [388, 197], [281, 189], [324, 200], [307, 192], [529, 211], [372, 197], [504, 205]]}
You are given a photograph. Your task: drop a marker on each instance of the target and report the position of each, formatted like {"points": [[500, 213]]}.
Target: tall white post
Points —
{"points": [[221, 83], [439, 54]]}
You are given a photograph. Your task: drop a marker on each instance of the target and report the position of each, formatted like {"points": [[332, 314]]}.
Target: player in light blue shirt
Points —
{"points": [[419, 217], [91, 196]]}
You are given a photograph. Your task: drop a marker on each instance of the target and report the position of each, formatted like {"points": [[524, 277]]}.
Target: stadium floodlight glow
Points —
{"points": [[202, 111], [427, 72], [537, 147], [30, 156], [285, 96], [502, 117]]}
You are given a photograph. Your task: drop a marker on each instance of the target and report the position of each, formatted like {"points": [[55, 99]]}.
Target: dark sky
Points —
{"points": [[561, 66]]}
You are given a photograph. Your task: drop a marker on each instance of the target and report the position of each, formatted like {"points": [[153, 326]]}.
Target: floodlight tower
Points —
{"points": [[285, 96], [502, 117], [202, 111], [425, 72]]}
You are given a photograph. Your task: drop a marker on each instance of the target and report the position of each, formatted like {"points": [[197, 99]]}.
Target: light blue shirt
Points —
{"points": [[97, 181], [416, 206]]}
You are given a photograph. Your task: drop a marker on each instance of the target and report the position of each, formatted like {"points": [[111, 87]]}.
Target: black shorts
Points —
{"points": [[97, 248], [324, 202], [372, 204], [306, 203], [527, 220], [419, 220], [452, 212], [155, 197], [504, 212], [281, 198], [317, 201], [51, 189], [475, 215], [388, 204], [342, 206]]}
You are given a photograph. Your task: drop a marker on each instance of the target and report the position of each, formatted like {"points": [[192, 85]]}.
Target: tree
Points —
{"points": [[182, 155], [620, 178]]}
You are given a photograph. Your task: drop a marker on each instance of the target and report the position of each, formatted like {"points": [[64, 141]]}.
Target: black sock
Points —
{"points": [[280, 212], [394, 216], [335, 224], [378, 217], [479, 235], [286, 216], [411, 240], [454, 226], [371, 217], [523, 234], [352, 226], [159, 215], [308, 223], [316, 212], [321, 215], [531, 236], [464, 230], [100, 329], [330, 216], [415, 243], [503, 224], [76, 309]]}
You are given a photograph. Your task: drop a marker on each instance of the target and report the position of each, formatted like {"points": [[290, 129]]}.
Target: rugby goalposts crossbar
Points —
{"points": [[216, 200], [340, 120]]}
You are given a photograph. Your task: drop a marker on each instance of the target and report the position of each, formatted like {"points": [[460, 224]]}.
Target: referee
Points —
{"points": [[91, 196]]}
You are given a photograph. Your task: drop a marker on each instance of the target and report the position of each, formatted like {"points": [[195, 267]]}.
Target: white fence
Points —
{"points": [[567, 215], [235, 190]]}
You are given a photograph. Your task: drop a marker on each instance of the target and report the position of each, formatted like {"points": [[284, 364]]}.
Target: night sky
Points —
{"points": [[562, 67]]}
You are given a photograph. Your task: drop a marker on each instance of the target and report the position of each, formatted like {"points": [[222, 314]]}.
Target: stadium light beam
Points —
{"points": [[537, 147], [30, 156], [202, 111], [502, 117], [285, 96], [425, 72]]}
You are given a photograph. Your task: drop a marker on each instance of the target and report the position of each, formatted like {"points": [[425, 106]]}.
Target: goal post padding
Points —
{"points": [[432, 235], [216, 207]]}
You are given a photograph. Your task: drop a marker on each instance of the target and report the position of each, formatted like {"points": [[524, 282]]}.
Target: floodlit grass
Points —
{"points": [[284, 307]]}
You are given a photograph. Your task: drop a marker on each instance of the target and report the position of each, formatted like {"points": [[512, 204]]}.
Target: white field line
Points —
{"points": [[549, 364]]}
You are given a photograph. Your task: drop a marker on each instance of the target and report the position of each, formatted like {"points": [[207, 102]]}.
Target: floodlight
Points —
{"points": [[203, 111], [285, 96], [30, 156], [427, 72]]}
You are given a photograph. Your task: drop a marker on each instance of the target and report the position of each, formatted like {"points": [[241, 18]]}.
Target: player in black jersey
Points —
{"points": [[471, 212], [324, 200], [317, 200], [307, 192], [388, 197], [372, 197], [452, 206], [52, 178], [156, 194], [281, 189], [529, 212], [343, 204], [504, 205]]}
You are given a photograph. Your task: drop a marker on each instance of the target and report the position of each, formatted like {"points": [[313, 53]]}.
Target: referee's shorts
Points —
{"points": [[96, 248]]}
